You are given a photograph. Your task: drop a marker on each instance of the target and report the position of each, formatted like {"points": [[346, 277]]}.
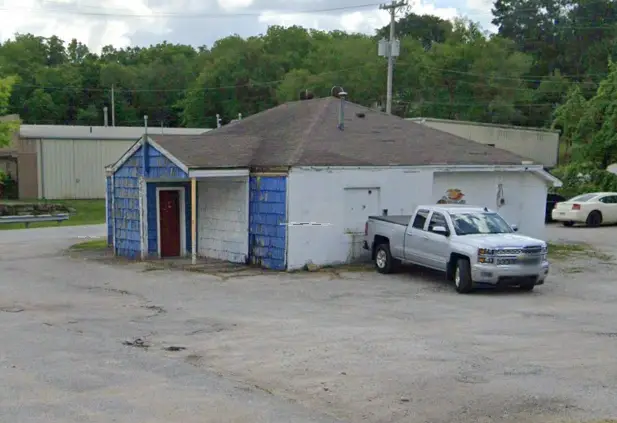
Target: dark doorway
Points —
{"points": [[169, 223]]}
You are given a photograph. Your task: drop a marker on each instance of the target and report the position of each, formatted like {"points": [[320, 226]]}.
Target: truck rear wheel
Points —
{"points": [[384, 262], [462, 276]]}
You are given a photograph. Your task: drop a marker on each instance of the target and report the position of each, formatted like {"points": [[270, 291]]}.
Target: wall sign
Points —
{"points": [[452, 196]]}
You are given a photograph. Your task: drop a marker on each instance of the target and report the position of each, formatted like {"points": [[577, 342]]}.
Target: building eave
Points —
{"points": [[218, 173], [127, 155]]}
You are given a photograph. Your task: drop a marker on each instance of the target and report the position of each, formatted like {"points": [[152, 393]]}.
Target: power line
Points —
{"points": [[109, 12], [227, 87], [120, 14], [334, 71], [189, 15]]}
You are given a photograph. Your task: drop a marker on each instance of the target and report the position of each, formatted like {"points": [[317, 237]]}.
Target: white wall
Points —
{"points": [[524, 195], [328, 196], [341, 198], [222, 225]]}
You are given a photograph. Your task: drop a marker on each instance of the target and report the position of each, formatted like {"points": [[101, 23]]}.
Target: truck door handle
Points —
{"points": [[425, 236]]}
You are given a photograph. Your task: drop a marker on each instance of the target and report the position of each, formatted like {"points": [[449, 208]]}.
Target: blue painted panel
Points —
{"points": [[160, 166], [126, 200], [267, 221], [108, 207], [152, 223], [126, 207]]}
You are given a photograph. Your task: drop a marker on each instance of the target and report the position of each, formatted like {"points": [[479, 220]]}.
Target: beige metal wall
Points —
{"points": [[27, 172], [539, 145], [75, 169]]}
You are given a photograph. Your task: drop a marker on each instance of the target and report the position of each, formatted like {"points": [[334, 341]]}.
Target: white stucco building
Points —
{"points": [[295, 184]]}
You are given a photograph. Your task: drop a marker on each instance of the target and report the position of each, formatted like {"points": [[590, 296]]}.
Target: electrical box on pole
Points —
{"points": [[386, 48], [395, 48], [382, 48]]}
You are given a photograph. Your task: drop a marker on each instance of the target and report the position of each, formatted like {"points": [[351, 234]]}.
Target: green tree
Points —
{"points": [[426, 29], [6, 127], [568, 116], [589, 126]]}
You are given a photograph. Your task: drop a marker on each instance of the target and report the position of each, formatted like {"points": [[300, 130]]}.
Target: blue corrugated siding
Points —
{"points": [[108, 189], [152, 223], [267, 221], [126, 205]]}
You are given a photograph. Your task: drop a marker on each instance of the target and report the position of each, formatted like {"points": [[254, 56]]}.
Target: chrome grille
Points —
{"points": [[535, 249], [529, 255], [508, 251]]}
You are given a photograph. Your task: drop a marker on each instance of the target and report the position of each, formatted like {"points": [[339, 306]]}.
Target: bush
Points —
{"points": [[582, 178]]}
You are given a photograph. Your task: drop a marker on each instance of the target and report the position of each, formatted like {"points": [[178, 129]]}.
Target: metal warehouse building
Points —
{"points": [[69, 161], [539, 144]]}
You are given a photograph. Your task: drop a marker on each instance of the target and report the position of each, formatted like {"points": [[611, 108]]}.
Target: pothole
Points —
{"points": [[13, 309]]}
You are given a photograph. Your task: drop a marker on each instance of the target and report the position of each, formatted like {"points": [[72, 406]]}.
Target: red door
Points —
{"points": [[169, 209]]}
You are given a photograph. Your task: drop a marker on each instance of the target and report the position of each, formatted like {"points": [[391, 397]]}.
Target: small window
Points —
{"points": [[420, 219], [437, 219]]}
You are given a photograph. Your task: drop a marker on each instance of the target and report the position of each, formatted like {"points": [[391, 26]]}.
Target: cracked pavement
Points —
{"points": [[305, 347]]}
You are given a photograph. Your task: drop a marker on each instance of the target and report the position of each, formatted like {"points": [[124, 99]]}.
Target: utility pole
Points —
{"points": [[113, 107], [390, 48]]}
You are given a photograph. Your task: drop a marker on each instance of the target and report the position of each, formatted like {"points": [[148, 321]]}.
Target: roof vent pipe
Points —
{"points": [[341, 116]]}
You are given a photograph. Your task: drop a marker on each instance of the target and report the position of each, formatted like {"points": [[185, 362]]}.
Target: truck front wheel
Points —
{"points": [[384, 262], [462, 276]]}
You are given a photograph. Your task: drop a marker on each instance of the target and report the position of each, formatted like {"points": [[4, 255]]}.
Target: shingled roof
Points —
{"points": [[305, 133]]}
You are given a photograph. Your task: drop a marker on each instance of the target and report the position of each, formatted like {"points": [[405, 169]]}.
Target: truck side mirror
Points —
{"points": [[441, 230], [514, 228]]}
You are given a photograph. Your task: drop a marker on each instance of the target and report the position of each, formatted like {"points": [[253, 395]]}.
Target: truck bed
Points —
{"points": [[397, 220]]}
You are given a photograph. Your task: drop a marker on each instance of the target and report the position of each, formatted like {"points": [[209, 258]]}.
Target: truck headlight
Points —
{"points": [[485, 252], [485, 255], [545, 253]]}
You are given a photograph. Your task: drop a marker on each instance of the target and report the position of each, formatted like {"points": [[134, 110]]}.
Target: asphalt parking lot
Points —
{"points": [[308, 347]]}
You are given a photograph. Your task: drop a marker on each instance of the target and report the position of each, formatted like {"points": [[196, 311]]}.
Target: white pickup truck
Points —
{"points": [[474, 246]]}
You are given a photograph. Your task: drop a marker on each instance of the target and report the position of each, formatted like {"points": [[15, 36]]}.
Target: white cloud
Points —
{"points": [[229, 5], [365, 21], [99, 23], [95, 26]]}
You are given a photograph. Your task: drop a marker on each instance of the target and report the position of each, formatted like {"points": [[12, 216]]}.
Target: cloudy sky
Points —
{"points": [[201, 22]]}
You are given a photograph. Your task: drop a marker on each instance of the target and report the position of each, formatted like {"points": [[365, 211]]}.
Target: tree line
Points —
{"points": [[547, 65]]}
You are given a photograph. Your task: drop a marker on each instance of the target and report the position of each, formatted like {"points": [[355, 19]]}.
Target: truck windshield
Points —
{"points": [[479, 223]]}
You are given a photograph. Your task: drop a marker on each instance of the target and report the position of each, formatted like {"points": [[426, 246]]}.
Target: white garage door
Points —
{"points": [[223, 219]]}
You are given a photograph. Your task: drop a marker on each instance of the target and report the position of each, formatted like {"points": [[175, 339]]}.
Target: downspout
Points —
{"points": [[287, 225], [142, 217], [143, 200], [107, 203], [193, 220], [144, 147], [113, 211]]}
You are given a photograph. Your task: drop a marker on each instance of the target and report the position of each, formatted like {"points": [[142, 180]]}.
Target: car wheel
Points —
{"points": [[568, 224], [594, 219], [527, 287], [462, 276], [384, 263]]}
